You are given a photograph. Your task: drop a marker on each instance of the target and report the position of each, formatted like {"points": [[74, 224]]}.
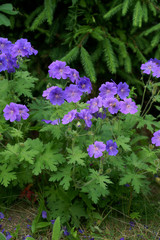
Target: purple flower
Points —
{"points": [[69, 117], [156, 72], [111, 148], [148, 67], [121, 239], [86, 116], [5, 45], [58, 69], [56, 96], [1, 215], [108, 90], [73, 75], [22, 112], [123, 90], [156, 138], [112, 104], [66, 233], [81, 231], [11, 112], [11, 63], [44, 214], [22, 48], [72, 93], [27, 236], [53, 221], [84, 84], [3, 62], [127, 185], [47, 92], [54, 122], [96, 149], [128, 106], [95, 104], [8, 236]]}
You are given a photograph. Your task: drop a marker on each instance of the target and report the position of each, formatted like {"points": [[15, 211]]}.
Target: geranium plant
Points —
{"points": [[85, 147]]}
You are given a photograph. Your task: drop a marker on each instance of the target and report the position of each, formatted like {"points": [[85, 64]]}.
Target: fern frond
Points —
{"points": [[139, 54], [128, 64], [125, 7], [155, 40], [109, 56], [30, 17], [113, 11], [40, 19], [88, 65], [71, 56], [97, 53], [137, 15], [49, 10], [152, 8], [152, 29], [145, 12]]}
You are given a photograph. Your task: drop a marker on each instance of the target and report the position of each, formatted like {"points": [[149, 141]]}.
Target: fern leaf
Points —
{"points": [[145, 12], [128, 64], [152, 8], [137, 15], [155, 40], [113, 11], [71, 56], [32, 15], [39, 20], [48, 11], [152, 29], [97, 53], [125, 7], [88, 65], [109, 56]]}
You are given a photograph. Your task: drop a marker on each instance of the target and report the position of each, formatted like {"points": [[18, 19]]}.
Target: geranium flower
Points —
{"points": [[96, 149], [111, 148], [156, 138]]}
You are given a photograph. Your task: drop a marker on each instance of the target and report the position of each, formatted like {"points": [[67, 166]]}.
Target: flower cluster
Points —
{"points": [[9, 53], [98, 148], [151, 66], [14, 112], [106, 100]]}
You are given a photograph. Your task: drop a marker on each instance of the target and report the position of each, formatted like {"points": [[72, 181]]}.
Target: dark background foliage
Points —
{"points": [[102, 40]]}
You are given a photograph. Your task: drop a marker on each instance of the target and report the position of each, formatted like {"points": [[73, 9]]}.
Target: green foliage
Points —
{"points": [[2, 237], [8, 9], [88, 65], [56, 229]]}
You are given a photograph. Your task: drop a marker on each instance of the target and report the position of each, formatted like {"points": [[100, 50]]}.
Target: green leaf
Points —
{"points": [[42, 225], [30, 238], [76, 156], [96, 185], [56, 229], [36, 220], [125, 6], [113, 11], [23, 83], [63, 175], [124, 142], [8, 8], [71, 56], [88, 65], [2, 237], [6, 174], [137, 15], [109, 56], [4, 20]]}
